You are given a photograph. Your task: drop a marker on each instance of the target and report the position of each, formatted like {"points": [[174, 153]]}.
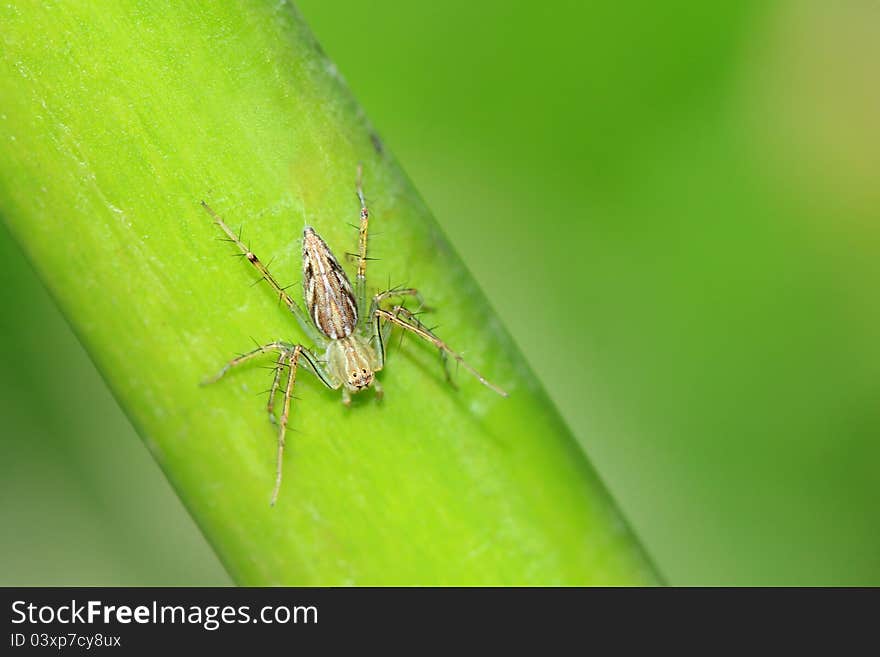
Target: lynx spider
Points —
{"points": [[339, 323]]}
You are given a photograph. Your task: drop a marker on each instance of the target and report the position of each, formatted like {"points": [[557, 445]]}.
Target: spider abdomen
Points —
{"points": [[326, 288]]}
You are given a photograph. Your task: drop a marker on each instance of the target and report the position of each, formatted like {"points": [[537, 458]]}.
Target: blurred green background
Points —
{"points": [[673, 206]]}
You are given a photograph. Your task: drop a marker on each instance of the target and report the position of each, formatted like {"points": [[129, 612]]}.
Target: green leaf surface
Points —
{"points": [[117, 119]]}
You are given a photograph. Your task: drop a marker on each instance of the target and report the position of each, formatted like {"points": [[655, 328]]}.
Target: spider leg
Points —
{"points": [[252, 258], [394, 317], [361, 279], [444, 355], [235, 362], [380, 332], [292, 361], [399, 292], [291, 358], [279, 366]]}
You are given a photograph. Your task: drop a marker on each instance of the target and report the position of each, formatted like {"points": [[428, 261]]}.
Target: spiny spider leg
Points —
{"points": [[361, 279], [390, 293], [276, 381], [235, 362], [398, 292], [444, 357], [293, 361], [381, 333], [252, 258], [400, 310], [292, 357], [392, 316], [289, 357]]}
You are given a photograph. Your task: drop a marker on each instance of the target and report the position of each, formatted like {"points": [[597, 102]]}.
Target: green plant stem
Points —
{"points": [[117, 118]]}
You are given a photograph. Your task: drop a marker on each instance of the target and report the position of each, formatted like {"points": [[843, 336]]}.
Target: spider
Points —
{"points": [[351, 334]]}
